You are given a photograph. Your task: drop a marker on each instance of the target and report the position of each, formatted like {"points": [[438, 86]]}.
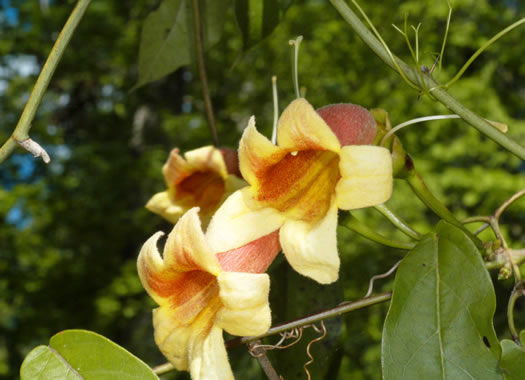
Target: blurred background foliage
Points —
{"points": [[71, 230]]}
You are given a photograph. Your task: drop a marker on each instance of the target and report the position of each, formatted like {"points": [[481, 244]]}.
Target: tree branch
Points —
{"points": [[202, 71], [21, 132], [428, 82]]}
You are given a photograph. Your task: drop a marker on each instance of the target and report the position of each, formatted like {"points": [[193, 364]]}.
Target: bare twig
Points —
{"points": [[199, 45]]}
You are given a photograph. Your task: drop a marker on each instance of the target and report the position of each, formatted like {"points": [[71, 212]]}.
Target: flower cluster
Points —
{"points": [[208, 282]]}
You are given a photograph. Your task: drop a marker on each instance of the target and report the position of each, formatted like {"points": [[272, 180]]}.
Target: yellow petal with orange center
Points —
{"points": [[207, 158], [245, 308], [301, 128], [300, 185], [199, 179], [311, 248], [185, 251], [366, 173], [177, 338], [241, 220]]}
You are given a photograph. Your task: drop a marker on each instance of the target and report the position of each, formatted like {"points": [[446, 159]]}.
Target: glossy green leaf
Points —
{"points": [[512, 361], [257, 19], [81, 354], [439, 325], [167, 40]]}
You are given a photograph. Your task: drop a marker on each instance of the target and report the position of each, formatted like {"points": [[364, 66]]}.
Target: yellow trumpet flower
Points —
{"points": [[297, 186]]}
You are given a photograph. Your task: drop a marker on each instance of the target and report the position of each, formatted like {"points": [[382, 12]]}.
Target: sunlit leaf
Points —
{"points": [[512, 361], [439, 325], [257, 19], [81, 354], [167, 40]]}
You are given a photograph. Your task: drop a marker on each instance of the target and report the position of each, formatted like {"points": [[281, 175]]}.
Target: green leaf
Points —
{"points": [[80, 354], [512, 361], [439, 325], [167, 39], [304, 296], [257, 19]]}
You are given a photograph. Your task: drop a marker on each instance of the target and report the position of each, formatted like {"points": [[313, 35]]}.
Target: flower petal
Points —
{"points": [[366, 177], [256, 153], [186, 248], [239, 221], [161, 204], [173, 340], [254, 257], [205, 159], [184, 251], [301, 128], [177, 338], [245, 308], [175, 169], [311, 249], [209, 358]]}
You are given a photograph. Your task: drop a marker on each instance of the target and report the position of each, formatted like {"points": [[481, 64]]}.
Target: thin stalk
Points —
{"points": [[415, 121], [482, 49], [336, 311], [345, 307], [517, 292], [275, 109], [295, 64], [507, 203], [202, 71], [347, 220], [435, 88], [163, 368], [445, 37], [21, 131], [399, 223]]}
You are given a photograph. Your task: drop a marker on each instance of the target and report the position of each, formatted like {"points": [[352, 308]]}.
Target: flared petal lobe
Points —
{"points": [[301, 128], [366, 177], [311, 248], [244, 298]]}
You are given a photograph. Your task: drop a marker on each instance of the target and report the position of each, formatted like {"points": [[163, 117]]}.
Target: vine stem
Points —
{"points": [[349, 221], [21, 132], [342, 308], [435, 88], [517, 292], [202, 71], [398, 222]]}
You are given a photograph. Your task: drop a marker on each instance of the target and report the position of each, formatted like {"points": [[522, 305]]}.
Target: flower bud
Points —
{"points": [[352, 124]]}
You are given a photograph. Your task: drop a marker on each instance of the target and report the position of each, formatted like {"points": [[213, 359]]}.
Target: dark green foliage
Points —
{"points": [[71, 231], [440, 320]]}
